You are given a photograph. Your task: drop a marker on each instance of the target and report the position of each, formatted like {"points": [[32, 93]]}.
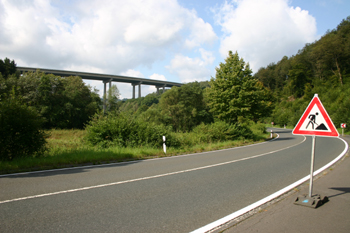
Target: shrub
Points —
{"points": [[222, 131], [122, 130], [20, 130], [258, 128]]}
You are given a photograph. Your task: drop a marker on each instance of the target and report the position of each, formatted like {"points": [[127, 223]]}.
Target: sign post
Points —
{"points": [[343, 126], [312, 164], [315, 121]]}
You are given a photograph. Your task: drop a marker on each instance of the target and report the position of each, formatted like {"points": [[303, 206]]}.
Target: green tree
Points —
{"points": [[113, 97], [79, 101], [20, 129], [235, 93], [62, 102], [7, 67], [151, 99], [184, 107]]}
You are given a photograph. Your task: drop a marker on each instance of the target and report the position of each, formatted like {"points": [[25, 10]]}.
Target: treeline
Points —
{"points": [[64, 103], [35, 101], [322, 67], [226, 108]]}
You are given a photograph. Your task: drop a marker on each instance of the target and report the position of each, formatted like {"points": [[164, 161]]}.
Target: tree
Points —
{"points": [[235, 93], [183, 107], [62, 102], [7, 67], [113, 97], [20, 129]]}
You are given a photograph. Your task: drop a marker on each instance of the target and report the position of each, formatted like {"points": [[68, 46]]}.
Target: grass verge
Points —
{"points": [[66, 148]]}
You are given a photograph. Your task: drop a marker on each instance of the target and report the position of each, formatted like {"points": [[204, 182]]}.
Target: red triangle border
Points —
{"points": [[317, 101]]}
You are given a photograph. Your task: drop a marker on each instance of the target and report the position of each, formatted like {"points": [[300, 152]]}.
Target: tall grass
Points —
{"points": [[66, 148]]}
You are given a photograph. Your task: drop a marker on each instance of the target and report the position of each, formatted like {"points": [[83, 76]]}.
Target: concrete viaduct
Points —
{"points": [[106, 78]]}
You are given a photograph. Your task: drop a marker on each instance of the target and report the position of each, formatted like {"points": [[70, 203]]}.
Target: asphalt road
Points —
{"points": [[177, 194]]}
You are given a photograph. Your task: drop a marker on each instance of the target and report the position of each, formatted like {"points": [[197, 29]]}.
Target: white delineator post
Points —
{"points": [[164, 146]]}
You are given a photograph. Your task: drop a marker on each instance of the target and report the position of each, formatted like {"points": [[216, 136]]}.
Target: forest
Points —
{"points": [[234, 105], [322, 67]]}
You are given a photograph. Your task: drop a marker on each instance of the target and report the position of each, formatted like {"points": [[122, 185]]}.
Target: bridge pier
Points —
{"points": [[140, 89], [160, 87], [133, 89], [105, 93]]}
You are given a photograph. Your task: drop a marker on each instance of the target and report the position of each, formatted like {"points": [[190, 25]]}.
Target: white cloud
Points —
{"points": [[151, 89], [263, 31], [132, 73], [158, 77], [123, 37], [110, 36], [192, 69], [125, 90], [201, 33]]}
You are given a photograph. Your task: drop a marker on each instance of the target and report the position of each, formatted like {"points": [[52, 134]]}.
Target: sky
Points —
{"points": [[173, 40]]}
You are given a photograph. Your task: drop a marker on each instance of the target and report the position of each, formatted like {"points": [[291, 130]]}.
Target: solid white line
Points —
{"points": [[240, 212], [143, 178]]}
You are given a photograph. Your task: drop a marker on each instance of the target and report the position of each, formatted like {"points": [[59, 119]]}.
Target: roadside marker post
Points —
{"points": [[315, 121], [343, 126], [164, 146]]}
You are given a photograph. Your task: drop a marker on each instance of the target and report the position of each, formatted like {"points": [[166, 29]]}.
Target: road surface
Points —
{"points": [[176, 194]]}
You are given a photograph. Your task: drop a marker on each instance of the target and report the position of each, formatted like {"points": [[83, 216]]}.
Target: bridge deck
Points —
{"points": [[103, 77]]}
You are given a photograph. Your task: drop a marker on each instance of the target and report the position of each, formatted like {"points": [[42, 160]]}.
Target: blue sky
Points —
{"points": [[173, 40]]}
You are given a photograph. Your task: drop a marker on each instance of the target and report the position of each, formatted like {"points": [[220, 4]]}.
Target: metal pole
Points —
{"points": [[312, 164], [104, 97]]}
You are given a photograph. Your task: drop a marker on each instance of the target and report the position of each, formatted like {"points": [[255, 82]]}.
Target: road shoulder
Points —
{"points": [[285, 216]]}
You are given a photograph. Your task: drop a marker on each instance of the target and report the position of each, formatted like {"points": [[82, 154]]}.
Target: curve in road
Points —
{"points": [[177, 194]]}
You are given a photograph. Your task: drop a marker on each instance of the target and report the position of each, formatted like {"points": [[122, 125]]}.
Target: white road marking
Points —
{"points": [[228, 218], [143, 178]]}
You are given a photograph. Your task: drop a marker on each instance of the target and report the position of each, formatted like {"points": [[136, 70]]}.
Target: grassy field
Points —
{"points": [[66, 148]]}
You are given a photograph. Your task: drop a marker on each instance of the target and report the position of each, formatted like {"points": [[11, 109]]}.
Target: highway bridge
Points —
{"points": [[107, 78]]}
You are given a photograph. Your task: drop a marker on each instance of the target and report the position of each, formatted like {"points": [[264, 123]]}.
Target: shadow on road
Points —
{"points": [[343, 191], [68, 170], [282, 139]]}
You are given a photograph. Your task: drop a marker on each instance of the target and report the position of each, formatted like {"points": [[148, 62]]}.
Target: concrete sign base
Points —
{"points": [[313, 202]]}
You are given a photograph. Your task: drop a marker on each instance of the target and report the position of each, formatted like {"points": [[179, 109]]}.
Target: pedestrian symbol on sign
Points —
{"points": [[312, 120]]}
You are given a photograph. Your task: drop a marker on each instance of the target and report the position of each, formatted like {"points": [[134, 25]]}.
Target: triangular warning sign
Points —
{"points": [[315, 121]]}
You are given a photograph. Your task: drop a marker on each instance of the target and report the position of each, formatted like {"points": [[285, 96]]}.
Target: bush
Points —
{"points": [[222, 131], [122, 130], [20, 130]]}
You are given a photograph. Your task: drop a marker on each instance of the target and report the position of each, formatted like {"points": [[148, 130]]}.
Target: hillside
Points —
{"points": [[322, 67]]}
